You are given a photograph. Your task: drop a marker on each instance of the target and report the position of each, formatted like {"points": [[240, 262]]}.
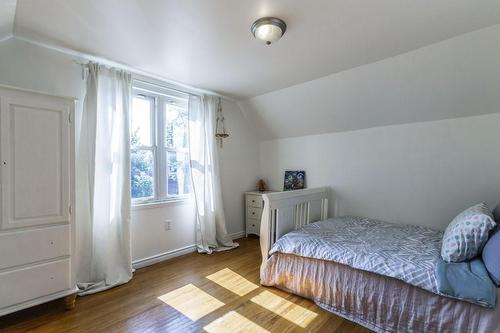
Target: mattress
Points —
{"points": [[380, 303]]}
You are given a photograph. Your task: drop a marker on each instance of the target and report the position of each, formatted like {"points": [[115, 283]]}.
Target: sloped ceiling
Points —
{"points": [[459, 77], [208, 44], [7, 14]]}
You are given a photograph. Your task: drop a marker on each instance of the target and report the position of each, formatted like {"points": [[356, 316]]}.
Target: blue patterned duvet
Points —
{"points": [[405, 252]]}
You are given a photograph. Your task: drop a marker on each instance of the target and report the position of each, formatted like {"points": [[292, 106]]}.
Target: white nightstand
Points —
{"points": [[253, 211]]}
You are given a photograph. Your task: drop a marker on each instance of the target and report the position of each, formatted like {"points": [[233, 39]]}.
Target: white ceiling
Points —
{"points": [[208, 44], [459, 77], [7, 13]]}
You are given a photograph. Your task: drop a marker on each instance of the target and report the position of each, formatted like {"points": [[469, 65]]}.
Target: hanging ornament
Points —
{"points": [[220, 128]]}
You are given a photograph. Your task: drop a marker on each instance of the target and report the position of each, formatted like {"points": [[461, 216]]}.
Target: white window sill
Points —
{"points": [[163, 203]]}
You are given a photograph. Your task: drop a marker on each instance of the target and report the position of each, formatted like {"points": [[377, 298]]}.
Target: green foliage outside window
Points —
{"points": [[141, 170]]}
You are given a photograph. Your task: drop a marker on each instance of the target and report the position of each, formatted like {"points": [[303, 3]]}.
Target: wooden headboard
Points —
{"points": [[287, 211]]}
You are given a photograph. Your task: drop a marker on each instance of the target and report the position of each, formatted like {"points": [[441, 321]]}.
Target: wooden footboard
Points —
{"points": [[287, 211]]}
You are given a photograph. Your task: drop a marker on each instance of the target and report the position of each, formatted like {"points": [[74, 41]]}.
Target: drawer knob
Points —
{"points": [[51, 243], [253, 225], [253, 213]]}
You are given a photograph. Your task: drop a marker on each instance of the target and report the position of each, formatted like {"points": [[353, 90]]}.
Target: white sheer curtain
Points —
{"points": [[103, 244], [211, 233]]}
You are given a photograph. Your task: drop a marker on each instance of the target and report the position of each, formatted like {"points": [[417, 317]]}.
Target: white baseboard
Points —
{"points": [[237, 235], [140, 263]]}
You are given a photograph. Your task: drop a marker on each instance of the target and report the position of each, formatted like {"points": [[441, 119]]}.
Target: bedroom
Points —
{"points": [[115, 187]]}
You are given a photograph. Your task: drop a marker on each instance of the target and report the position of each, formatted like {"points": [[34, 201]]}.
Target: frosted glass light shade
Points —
{"points": [[268, 33], [268, 29]]}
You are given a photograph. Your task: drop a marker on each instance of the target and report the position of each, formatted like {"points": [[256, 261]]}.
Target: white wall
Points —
{"points": [[27, 66], [421, 173], [33, 67], [239, 166], [149, 236]]}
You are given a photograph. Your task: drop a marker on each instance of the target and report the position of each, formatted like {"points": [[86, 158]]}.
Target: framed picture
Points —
{"points": [[294, 180]]}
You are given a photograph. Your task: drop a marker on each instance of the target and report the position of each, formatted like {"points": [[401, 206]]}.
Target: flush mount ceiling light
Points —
{"points": [[268, 29]]}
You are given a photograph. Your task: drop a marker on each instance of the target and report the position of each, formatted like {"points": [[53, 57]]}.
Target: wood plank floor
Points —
{"points": [[227, 282]]}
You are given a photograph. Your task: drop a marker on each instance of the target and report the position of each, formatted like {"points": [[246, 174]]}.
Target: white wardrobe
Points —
{"points": [[37, 199]]}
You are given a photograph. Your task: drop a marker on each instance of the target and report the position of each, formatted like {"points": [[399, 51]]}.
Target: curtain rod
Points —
{"points": [[164, 86], [106, 62]]}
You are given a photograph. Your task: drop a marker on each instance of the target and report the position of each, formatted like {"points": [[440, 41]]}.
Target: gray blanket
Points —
{"points": [[406, 252]]}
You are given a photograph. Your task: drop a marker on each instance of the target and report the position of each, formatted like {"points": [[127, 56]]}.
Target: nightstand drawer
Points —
{"points": [[254, 213], [253, 226], [254, 201]]}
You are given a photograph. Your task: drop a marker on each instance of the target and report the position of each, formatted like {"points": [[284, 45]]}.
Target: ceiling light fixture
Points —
{"points": [[268, 29]]}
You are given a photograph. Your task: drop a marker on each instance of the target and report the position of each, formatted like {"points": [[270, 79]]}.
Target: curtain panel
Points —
{"points": [[103, 235], [211, 233]]}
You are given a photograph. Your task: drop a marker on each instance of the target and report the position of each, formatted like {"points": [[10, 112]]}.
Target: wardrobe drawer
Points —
{"points": [[28, 246], [253, 226], [28, 283], [254, 201]]}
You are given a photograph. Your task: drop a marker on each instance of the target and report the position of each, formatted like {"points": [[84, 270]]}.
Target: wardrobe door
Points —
{"points": [[35, 160]]}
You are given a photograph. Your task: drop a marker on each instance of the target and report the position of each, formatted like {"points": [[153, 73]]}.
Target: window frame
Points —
{"points": [[152, 148], [160, 96]]}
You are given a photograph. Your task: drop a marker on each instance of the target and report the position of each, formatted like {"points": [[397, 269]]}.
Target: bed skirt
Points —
{"points": [[380, 303]]}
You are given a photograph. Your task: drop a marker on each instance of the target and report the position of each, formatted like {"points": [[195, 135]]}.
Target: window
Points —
{"points": [[159, 144]]}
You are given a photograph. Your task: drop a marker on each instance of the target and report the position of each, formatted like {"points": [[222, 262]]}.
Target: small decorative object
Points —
{"points": [[294, 180], [220, 128], [261, 185]]}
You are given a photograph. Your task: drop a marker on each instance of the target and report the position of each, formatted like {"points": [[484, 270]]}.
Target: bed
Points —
{"points": [[377, 274]]}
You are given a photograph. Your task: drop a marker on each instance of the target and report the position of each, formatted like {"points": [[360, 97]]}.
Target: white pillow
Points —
{"points": [[466, 235]]}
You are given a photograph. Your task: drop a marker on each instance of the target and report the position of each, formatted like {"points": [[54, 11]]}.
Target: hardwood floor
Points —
{"points": [[220, 293]]}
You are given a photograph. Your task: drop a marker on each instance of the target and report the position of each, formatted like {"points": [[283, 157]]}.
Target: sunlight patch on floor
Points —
{"points": [[191, 301], [297, 314], [233, 322], [233, 282]]}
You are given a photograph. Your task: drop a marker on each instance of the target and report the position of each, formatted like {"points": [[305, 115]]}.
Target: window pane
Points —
{"points": [[140, 121], [176, 126], [141, 172], [179, 177]]}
